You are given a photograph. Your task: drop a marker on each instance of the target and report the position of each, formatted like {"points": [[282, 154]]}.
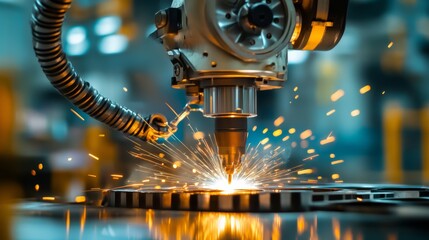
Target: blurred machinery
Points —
{"points": [[222, 52]]}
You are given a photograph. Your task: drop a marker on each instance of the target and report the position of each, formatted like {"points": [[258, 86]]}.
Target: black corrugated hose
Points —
{"points": [[47, 20]]}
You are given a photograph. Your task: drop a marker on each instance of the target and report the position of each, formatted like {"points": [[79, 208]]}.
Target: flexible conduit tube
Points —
{"points": [[47, 20]]}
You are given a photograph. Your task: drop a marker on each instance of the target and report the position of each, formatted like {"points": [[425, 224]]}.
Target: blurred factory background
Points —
{"points": [[379, 71]]}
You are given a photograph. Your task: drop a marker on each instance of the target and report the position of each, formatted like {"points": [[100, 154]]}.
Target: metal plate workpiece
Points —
{"points": [[240, 201], [298, 198]]}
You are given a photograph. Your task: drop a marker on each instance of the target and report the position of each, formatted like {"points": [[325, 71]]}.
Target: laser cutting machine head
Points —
{"points": [[224, 51]]}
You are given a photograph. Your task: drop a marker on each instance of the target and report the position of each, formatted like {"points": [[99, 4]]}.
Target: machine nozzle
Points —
{"points": [[231, 137]]}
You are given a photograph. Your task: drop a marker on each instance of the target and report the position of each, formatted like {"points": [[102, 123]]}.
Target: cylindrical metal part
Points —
{"points": [[221, 101], [231, 137]]}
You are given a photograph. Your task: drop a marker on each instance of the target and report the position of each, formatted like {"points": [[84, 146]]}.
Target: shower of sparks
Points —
{"points": [[337, 95], [201, 167], [337, 162], [93, 156], [355, 113], [365, 89], [279, 121], [390, 44], [77, 114], [330, 112]]}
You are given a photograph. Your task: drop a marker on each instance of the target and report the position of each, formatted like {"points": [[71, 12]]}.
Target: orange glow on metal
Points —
{"points": [[277, 221], [279, 121], [306, 134], [365, 89], [425, 143], [300, 224], [392, 131], [68, 223], [311, 157], [83, 221], [93, 156], [337, 95], [77, 114], [336, 229]]}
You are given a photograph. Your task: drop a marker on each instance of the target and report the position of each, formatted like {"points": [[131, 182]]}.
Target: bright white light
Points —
{"points": [[76, 35], [113, 44], [77, 49], [236, 184], [107, 25], [297, 57]]}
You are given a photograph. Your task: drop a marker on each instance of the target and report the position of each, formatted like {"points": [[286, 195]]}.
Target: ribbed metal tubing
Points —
{"points": [[47, 20]]}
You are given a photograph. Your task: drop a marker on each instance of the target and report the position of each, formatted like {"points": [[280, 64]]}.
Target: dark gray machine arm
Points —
{"points": [[46, 23]]}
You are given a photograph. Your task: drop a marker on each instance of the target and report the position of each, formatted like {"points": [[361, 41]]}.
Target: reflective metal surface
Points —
{"points": [[55, 221], [227, 101]]}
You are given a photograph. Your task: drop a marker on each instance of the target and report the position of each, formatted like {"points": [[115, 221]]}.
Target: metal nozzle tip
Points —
{"points": [[229, 179]]}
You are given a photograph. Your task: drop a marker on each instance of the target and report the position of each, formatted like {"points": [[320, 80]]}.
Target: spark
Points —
{"points": [[365, 89], [384, 92], [311, 151], [329, 139], [92, 175], [305, 172], [254, 128], [33, 172], [285, 139], [77, 114], [292, 131], [80, 199], [69, 159], [93, 156], [48, 198], [337, 162], [265, 130], [337, 95], [306, 134], [359, 199], [355, 113], [264, 141], [36, 187], [390, 44], [116, 175], [311, 157], [277, 133], [335, 176], [125, 89], [296, 97], [295, 89], [101, 135], [198, 135], [279, 121], [267, 146], [339, 181], [330, 112], [332, 155], [40, 166]]}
